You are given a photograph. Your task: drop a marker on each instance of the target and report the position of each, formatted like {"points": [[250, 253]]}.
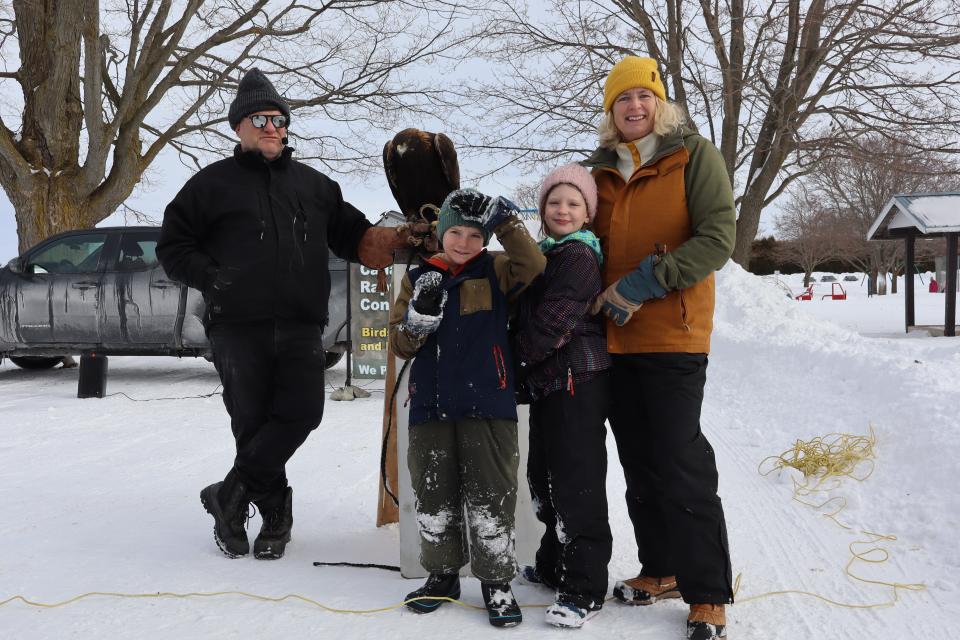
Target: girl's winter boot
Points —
{"points": [[567, 614]]}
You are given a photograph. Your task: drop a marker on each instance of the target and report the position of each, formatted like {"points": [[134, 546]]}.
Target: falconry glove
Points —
{"points": [[378, 244]]}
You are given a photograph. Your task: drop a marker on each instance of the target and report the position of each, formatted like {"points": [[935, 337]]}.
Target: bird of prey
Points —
{"points": [[422, 170]]}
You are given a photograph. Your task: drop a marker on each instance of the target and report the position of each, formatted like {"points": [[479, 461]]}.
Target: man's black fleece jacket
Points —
{"points": [[264, 228]]}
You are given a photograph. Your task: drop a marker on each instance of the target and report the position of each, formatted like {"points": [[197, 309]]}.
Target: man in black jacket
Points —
{"points": [[252, 232]]}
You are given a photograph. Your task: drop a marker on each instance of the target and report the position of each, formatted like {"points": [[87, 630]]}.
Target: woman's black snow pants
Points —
{"points": [[671, 472]]}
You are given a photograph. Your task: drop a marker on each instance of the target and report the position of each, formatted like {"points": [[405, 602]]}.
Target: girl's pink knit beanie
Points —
{"points": [[574, 175]]}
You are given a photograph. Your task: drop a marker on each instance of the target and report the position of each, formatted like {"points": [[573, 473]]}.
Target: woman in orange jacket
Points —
{"points": [[666, 221]]}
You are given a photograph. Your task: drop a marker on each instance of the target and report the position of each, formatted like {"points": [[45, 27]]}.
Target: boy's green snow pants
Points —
{"points": [[459, 467]]}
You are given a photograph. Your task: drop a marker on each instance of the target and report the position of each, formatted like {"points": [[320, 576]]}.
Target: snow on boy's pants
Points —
{"points": [[567, 471], [468, 464], [671, 472], [273, 388]]}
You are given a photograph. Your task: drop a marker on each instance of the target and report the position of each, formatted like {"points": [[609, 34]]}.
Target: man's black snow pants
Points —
{"points": [[567, 472], [273, 388], [671, 472]]}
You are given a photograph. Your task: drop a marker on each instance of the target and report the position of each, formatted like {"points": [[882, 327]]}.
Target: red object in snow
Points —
{"points": [[934, 287], [836, 292], [806, 295]]}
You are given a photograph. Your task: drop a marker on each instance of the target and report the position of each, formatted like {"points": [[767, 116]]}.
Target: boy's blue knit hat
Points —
{"points": [[449, 217]]}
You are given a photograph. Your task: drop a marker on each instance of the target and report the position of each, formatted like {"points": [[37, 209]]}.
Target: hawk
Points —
{"points": [[421, 170]]}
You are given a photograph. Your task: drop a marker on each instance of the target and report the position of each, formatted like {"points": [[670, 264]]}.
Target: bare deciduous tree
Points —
{"points": [[98, 89], [774, 85], [854, 188], [526, 196], [806, 232]]}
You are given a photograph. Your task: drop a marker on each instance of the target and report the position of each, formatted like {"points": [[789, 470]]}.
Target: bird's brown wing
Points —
{"points": [[389, 170], [448, 160]]}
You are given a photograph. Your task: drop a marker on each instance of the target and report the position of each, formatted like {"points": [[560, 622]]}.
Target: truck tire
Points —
{"points": [[36, 362]]}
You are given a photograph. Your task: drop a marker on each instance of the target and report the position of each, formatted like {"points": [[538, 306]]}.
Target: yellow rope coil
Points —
{"points": [[824, 461], [834, 455]]}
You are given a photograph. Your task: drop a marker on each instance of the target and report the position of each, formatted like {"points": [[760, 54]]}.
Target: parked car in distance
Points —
{"points": [[102, 290], [850, 278], [828, 278]]}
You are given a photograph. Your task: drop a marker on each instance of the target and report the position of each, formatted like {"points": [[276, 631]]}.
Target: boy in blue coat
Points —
{"points": [[451, 316]]}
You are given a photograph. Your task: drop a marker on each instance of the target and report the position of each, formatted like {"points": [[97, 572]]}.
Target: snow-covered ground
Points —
{"points": [[102, 495]]}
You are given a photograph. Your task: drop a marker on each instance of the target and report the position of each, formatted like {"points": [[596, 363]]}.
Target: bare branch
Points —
{"points": [[132, 78], [775, 84]]}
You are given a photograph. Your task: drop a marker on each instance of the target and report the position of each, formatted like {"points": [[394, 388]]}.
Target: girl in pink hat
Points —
{"points": [[563, 359]]}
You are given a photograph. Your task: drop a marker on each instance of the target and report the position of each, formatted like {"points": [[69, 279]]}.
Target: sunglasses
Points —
{"points": [[260, 121]]}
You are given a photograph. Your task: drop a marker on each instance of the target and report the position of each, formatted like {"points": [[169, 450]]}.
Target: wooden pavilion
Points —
{"points": [[923, 215]]}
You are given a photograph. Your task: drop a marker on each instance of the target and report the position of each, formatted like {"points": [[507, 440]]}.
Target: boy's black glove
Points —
{"points": [[475, 207], [426, 305], [429, 298]]}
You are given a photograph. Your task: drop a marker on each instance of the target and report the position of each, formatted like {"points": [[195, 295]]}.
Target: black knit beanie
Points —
{"points": [[255, 93]]}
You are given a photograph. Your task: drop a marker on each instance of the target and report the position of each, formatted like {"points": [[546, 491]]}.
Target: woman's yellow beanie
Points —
{"points": [[629, 73]]}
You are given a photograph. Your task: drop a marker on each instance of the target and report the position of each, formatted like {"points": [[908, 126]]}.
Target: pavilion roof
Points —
{"points": [[930, 214]]}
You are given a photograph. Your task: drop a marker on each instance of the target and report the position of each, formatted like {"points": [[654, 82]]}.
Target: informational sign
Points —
{"points": [[369, 316]]}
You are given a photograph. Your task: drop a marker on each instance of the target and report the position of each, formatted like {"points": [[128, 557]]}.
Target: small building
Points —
{"points": [[909, 216]]}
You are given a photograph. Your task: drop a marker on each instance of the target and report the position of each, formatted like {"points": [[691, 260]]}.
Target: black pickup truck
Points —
{"points": [[102, 290]]}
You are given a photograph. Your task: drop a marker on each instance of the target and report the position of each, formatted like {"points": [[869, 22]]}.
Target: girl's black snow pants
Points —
{"points": [[567, 470]]}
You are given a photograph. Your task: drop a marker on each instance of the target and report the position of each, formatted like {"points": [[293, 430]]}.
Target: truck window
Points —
{"points": [[137, 253], [74, 254]]}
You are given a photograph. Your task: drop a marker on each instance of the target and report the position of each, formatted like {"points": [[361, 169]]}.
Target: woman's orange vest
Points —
{"points": [[633, 218]]}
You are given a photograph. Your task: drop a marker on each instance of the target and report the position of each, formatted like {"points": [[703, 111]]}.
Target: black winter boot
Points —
{"points": [[502, 607], [438, 585], [277, 512], [228, 502], [530, 575]]}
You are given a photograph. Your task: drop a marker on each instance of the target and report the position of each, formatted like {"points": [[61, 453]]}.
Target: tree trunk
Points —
{"points": [[881, 283], [47, 206], [893, 284], [748, 221]]}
